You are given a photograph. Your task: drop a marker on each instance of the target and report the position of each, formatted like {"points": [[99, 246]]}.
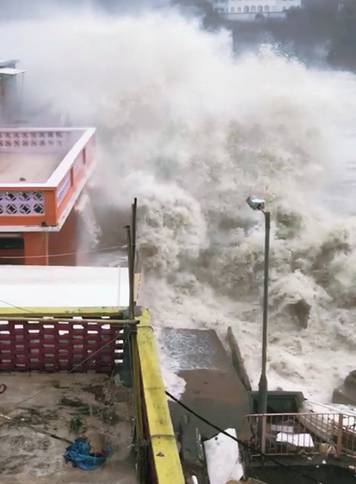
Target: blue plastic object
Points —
{"points": [[80, 456]]}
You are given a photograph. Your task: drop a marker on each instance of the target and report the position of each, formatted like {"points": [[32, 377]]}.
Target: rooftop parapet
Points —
{"points": [[42, 173]]}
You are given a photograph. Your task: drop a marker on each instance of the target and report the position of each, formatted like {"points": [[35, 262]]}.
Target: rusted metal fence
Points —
{"points": [[307, 433], [62, 344]]}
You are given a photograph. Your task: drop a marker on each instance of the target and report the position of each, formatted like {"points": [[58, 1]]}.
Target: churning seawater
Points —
{"points": [[191, 130]]}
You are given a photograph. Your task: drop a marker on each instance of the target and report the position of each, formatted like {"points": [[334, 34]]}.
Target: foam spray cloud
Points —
{"points": [[192, 131]]}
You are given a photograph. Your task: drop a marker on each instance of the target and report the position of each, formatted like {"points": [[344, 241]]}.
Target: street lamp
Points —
{"points": [[259, 204]]}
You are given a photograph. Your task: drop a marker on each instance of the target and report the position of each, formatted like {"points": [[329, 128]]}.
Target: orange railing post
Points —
{"points": [[51, 207]]}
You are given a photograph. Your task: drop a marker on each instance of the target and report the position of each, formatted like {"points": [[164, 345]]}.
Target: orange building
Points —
{"points": [[43, 171]]}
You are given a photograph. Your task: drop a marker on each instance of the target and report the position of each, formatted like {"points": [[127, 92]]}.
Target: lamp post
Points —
{"points": [[259, 204]]}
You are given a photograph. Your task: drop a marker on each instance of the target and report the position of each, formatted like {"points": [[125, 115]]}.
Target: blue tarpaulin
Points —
{"points": [[80, 456]]}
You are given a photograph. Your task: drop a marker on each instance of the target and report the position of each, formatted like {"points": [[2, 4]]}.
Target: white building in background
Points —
{"points": [[251, 10]]}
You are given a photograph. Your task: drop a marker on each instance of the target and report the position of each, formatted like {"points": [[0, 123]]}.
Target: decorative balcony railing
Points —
{"points": [[33, 139], [21, 203]]}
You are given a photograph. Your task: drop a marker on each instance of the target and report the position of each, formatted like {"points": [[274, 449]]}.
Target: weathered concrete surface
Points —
{"points": [[237, 360], [67, 405], [28, 167], [213, 388]]}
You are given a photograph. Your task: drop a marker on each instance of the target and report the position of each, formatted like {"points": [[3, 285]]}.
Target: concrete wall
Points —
{"points": [[66, 241], [45, 248]]}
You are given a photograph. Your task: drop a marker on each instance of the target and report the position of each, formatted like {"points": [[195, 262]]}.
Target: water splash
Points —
{"points": [[191, 131]]}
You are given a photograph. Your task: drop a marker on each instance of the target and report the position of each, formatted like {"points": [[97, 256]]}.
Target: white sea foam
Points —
{"points": [[192, 131]]}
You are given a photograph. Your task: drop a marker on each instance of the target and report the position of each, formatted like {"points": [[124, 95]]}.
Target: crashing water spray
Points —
{"points": [[192, 131]]}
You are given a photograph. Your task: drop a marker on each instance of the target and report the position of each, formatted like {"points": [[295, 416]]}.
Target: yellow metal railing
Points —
{"points": [[160, 433]]}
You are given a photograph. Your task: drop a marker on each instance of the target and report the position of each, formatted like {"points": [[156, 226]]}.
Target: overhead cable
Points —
{"points": [[63, 254]]}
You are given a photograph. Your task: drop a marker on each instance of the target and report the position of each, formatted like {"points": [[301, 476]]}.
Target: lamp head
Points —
{"points": [[256, 203]]}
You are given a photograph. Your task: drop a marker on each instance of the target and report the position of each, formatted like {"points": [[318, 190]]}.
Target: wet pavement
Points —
{"points": [[213, 388]]}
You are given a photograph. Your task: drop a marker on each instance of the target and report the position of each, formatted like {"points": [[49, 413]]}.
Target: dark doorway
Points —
{"points": [[11, 249]]}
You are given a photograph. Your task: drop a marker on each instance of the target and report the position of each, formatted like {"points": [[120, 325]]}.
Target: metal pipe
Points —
{"points": [[133, 225], [133, 251], [263, 386], [339, 435], [259, 205], [131, 282]]}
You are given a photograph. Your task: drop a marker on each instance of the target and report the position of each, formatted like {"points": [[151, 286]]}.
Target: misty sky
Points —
{"points": [[14, 9]]}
